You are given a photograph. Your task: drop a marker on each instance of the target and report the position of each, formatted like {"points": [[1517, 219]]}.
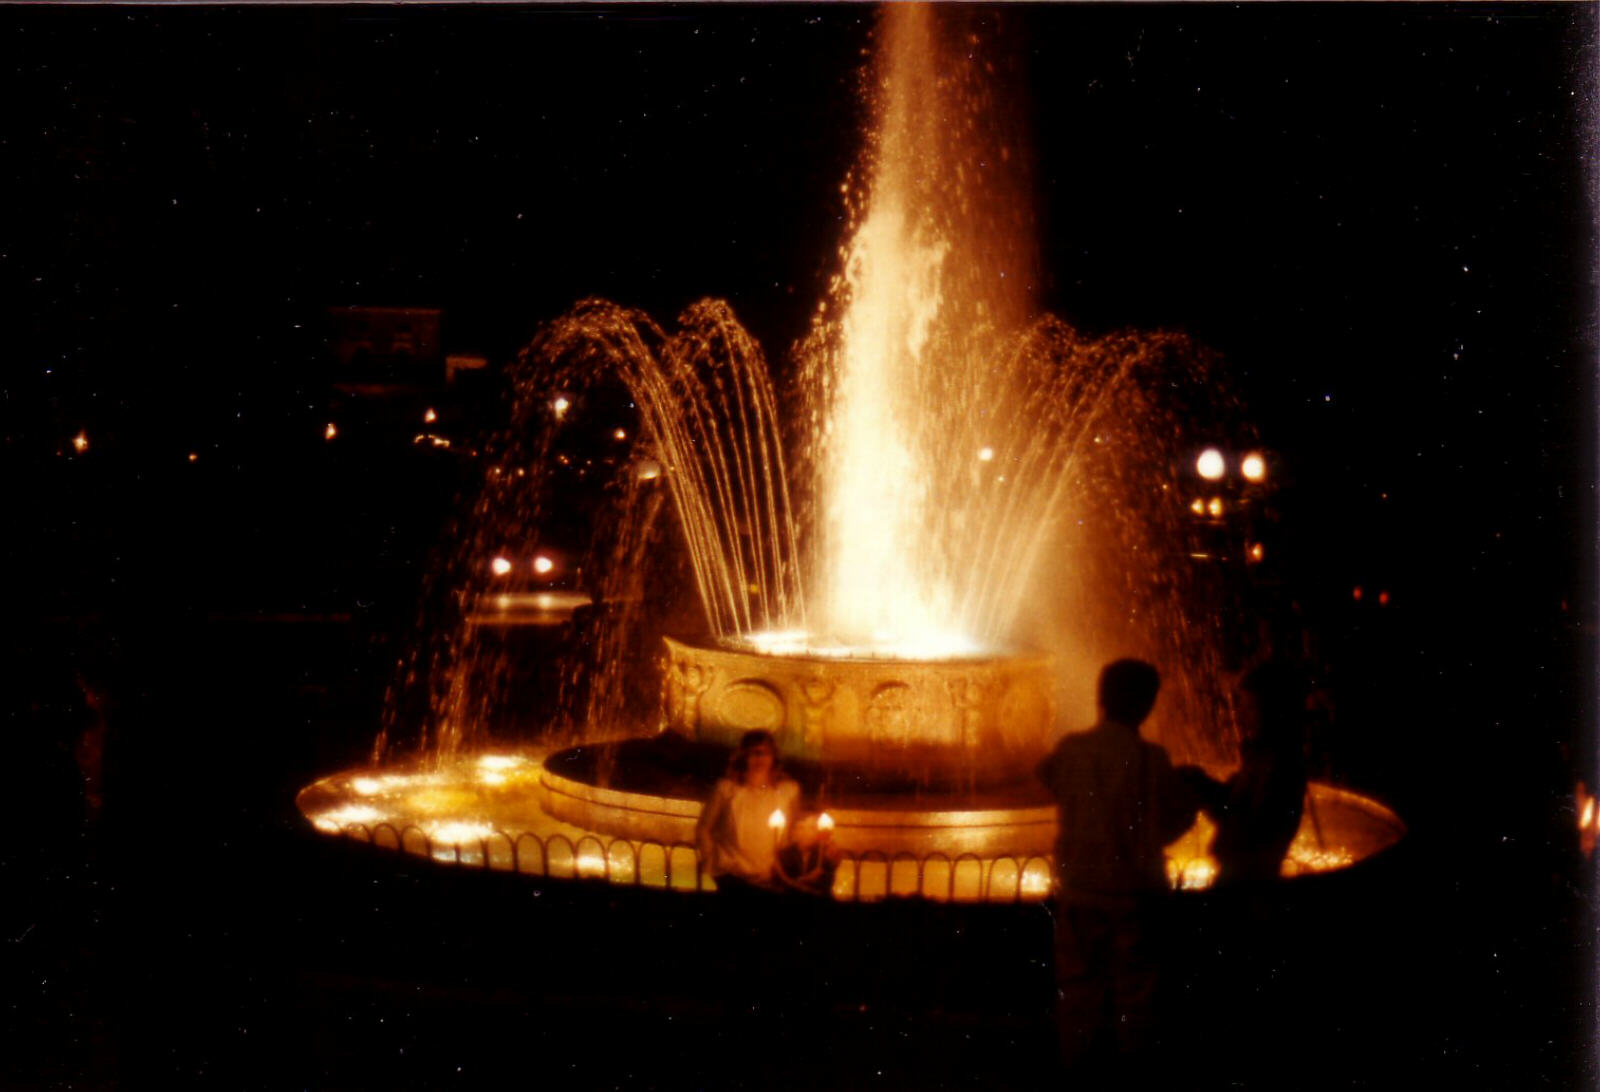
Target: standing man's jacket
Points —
{"points": [[1121, 804]]}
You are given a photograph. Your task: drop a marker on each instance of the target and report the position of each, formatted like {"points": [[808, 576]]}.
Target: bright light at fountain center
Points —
{"points": [[877, 592], [876, 645]]}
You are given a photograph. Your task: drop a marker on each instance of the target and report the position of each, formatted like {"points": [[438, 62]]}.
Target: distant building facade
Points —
{"points": [[386, 344]]}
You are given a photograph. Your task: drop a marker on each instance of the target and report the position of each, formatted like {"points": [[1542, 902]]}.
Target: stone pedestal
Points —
{"points": [[967, 719]]}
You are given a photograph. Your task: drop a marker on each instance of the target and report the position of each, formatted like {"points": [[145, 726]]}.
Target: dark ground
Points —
{"points": [[1380, 215]]}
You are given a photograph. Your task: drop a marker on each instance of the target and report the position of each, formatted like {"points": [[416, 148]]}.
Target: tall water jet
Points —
{"points": [[908, 362]]}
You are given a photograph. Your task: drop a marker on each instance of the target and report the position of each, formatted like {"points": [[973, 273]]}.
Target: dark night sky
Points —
{"points": [[1378, 214]]}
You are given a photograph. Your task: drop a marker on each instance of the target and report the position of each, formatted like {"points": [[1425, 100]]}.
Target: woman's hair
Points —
{"points": [[739, 764]]}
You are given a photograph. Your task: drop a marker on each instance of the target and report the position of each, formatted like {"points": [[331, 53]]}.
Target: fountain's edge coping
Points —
{"points": [[1321, 792], [843, 814], [729, 647]]}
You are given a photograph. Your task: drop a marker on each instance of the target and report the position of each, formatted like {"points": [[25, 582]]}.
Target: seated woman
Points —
{"points": [[738, 844]]}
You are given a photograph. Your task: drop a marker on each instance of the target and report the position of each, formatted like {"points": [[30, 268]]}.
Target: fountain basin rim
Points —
{"points": [[844, 814], [737, 646], [1321, 793]]}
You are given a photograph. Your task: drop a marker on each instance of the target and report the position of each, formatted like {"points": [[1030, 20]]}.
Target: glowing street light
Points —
{"points": [[542, 564], [1215, 507], [331, 431], [500, 566], [429, 416], [560, 406], [80, 442], [985, 454], [1254, 467], [1210, 465]]}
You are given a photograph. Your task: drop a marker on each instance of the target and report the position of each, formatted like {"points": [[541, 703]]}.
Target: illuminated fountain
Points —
{"points": [[981, 507]]}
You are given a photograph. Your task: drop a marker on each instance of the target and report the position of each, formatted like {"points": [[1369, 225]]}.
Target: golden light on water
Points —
{"points": [[875, 646], [1194, 874], [1210, 465], [336, 819], [456, 832]]}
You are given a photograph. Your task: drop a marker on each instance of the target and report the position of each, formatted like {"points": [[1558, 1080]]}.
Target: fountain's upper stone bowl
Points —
{"points": [[803, 645], [973, 718]]}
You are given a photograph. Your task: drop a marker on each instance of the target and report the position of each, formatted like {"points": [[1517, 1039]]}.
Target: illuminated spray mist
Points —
{"points": [[965, 483], [975, 479], [935, 277]]}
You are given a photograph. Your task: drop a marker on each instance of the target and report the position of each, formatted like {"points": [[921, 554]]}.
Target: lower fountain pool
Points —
{"points": [[568, 815]]}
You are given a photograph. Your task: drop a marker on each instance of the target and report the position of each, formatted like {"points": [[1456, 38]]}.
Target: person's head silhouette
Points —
{"points": [[1128, 691], [1271, 704]]}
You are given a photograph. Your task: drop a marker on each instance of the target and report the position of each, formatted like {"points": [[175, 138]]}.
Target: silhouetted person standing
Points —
{"points": [[1257, 812], [1121, 804], [1258, 809]]}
